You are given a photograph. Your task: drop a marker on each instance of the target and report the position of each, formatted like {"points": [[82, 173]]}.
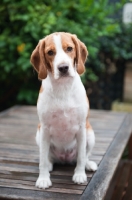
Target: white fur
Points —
{"points": [[62, 110]]}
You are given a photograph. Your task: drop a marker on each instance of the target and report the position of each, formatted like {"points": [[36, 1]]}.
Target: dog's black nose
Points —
{"points": [[63, 69]]}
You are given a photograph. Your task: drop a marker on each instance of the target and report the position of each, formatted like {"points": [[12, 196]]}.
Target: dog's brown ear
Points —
{"points": [[81, 54], [38, 60]]}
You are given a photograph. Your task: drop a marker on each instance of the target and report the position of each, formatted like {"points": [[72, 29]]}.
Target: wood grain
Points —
{"points": [[121, 185], [19, 156]]}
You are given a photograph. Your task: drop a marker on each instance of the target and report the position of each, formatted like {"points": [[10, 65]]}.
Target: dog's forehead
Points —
{"points": [[65, 39], [49, 40]]}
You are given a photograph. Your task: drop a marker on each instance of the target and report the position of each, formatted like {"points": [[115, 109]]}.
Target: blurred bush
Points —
{"points": [[119, 46], [24, 22], [113, 56]]}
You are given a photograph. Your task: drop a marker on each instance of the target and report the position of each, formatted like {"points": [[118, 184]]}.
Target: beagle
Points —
{"points": [[64, 133]]}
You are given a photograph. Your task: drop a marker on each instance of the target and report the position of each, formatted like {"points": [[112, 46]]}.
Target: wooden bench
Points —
{"points": [[121, 185], [19, 157]]}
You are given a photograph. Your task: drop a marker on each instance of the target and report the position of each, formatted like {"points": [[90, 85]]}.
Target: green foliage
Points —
{"points": [[120, 46], [24, 22]]}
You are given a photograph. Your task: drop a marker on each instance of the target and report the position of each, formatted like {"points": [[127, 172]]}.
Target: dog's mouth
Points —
{"points": [[63, 75]]}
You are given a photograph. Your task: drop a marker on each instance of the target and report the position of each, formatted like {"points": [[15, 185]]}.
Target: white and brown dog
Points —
{"points": [[64, 133]]}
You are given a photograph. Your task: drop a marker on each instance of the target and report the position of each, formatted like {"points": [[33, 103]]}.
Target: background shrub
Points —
{"points": [[24, 22]]}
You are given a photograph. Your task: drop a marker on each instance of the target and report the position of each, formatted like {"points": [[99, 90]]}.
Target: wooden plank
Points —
{"points": [[51, 189], [21, 153], [128, 192], [121, 185], [7, 193], [15, 149], [8, 111], [130, 147], [10, 146], [114, 182], [26, 184], [61, 171], [35, 160], [122, 181], [33, 178], [108, 132], [99, 184]]}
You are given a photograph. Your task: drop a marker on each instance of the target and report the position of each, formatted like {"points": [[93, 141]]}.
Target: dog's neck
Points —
{"points": [[62, 87]]}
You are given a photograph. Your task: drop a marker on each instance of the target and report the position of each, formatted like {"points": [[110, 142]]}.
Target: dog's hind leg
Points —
{"points": [[90, 165]]}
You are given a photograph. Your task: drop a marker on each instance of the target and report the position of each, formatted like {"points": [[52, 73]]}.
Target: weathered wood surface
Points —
{"points": [[19, 156], [121, 185]]}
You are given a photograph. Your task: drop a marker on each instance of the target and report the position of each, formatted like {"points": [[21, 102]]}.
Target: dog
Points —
{"points": [[64, 134]]}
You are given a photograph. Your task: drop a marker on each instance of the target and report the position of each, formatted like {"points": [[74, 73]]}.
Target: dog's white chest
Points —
{"points": [[63, 124], [65, 119], [63, 111]]}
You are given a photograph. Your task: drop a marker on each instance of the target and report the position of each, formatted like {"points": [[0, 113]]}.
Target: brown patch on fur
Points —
{"points": [[81, 54], [50, 46], [39, 125], [41, 89], [40, 59], [88, 126]]}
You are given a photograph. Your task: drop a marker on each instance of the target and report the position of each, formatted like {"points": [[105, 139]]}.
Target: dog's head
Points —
{"points": [[61, 54]]}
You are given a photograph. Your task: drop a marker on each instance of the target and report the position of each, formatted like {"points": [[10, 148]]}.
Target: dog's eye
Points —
{"points": [[69, 49], [50, 53]]}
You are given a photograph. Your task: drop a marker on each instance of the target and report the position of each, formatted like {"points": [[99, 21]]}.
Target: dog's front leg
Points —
{"points": [[79, 174], [44, 175]]}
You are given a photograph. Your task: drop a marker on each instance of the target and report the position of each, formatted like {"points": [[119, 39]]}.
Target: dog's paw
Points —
{"points": [[79, 177], [91, 166], [43, 182]]}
